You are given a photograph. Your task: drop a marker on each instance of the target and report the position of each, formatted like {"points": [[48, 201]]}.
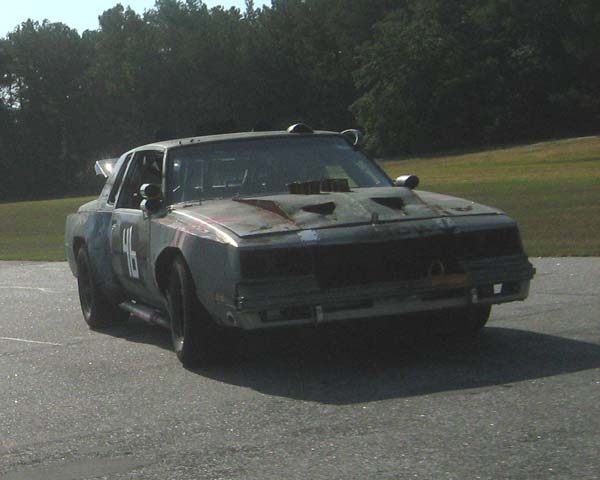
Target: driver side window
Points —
{"points": [[146, 167]]}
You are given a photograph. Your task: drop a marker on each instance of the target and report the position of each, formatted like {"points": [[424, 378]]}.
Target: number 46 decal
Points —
{"points": [[132, 263]]}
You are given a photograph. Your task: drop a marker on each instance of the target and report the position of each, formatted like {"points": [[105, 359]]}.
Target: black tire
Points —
{"points": [[97, 309], [465, 321], [197, 340]]}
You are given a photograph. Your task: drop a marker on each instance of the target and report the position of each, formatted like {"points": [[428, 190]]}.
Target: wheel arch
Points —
{"points": [[162, 267], [206, 263]]}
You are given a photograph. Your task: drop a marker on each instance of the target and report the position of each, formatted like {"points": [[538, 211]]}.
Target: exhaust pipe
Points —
{"points": [[146, 314]]}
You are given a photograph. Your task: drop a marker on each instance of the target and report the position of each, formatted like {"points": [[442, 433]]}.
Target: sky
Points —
{"points": [[80, 14]]}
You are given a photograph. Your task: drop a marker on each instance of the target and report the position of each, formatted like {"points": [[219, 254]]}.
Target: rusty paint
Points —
{"points": [[213, 236]]}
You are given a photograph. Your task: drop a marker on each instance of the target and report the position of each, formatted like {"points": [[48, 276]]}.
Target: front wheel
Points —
{"points": [[464, 321], [197, 340]]}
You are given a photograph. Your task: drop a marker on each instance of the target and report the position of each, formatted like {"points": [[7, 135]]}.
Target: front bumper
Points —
{"points": [[299, 300]]}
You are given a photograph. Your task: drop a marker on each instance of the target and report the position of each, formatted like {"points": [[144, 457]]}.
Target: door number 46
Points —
{"points": [[132, 263]]}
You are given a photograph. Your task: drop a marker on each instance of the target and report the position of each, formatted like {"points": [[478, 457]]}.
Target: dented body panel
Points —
{"points": [[275, 259]]}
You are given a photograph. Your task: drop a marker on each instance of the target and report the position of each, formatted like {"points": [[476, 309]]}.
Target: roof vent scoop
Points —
{"points": [[300, 128], [105, 167], [335, 185], [354, 137], [315, 187]]}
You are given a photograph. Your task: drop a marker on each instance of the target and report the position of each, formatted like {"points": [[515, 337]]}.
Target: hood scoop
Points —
{"points": [[395, 203], [287, 211], [268, 205]]}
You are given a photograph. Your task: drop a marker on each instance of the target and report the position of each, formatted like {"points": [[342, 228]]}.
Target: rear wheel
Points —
{"points": [[197, 340], [97, 309]]}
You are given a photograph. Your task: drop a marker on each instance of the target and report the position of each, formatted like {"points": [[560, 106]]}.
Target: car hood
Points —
{"points": [[251, 216]]}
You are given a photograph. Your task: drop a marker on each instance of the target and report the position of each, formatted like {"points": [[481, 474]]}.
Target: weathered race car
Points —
{"points": [[266, 229]]}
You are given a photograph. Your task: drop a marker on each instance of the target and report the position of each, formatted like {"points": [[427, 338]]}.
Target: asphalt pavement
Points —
{"points": [[362, 402]]}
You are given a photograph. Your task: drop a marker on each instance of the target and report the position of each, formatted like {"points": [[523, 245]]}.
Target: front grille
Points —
{"points": [[362, 263], [280, 262], [356, 264]]}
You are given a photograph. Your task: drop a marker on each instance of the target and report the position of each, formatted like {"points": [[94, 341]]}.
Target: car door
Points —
{"points": [[130, 228]]}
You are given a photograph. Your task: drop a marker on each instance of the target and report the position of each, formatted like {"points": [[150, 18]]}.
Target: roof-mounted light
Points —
{"points": [[408, 181]]}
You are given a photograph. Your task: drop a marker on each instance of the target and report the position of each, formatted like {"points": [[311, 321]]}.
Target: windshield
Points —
{"points": [[265, 166]]}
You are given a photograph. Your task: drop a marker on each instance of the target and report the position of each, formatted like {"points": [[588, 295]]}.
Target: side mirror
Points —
{"points": [[354, 137], [150, 191], [408, 181], [152, 195]]}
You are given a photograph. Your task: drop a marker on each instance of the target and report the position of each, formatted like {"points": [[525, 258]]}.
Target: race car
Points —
{"points": [[216, 234]]}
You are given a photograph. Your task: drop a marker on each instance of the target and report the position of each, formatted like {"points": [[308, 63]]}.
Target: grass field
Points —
{"points": [[35, 230], [551, 188]]}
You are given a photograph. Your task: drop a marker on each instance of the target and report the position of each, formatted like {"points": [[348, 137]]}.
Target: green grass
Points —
{"points": [[551, 188], [35, 230]]}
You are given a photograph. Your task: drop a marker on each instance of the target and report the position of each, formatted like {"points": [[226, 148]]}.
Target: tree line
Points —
{"points": [[416, 75]]}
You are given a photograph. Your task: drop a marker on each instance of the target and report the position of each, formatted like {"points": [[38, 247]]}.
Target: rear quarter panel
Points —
{"points": [[91, 226]]}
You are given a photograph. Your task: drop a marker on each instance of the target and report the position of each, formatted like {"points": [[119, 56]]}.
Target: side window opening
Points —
{"points": [[146, 167]]}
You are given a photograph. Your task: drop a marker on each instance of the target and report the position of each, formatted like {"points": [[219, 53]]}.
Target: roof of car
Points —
{"points": [[227, 137]]}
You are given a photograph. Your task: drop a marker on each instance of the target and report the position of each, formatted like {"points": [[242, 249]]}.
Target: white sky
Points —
{"points": [[80, 14]]}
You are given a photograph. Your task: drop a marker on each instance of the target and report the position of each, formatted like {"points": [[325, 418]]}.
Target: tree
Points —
{"points": [[460, 74], [42, 86], [418, 75]]}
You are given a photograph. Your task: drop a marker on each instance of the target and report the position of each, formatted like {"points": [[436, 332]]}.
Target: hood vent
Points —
{"points": [[395, 203], [326, 208]]}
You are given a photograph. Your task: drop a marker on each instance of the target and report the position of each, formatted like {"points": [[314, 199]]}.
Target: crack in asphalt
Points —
{"points": [[563, 294], [38, 289]]}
